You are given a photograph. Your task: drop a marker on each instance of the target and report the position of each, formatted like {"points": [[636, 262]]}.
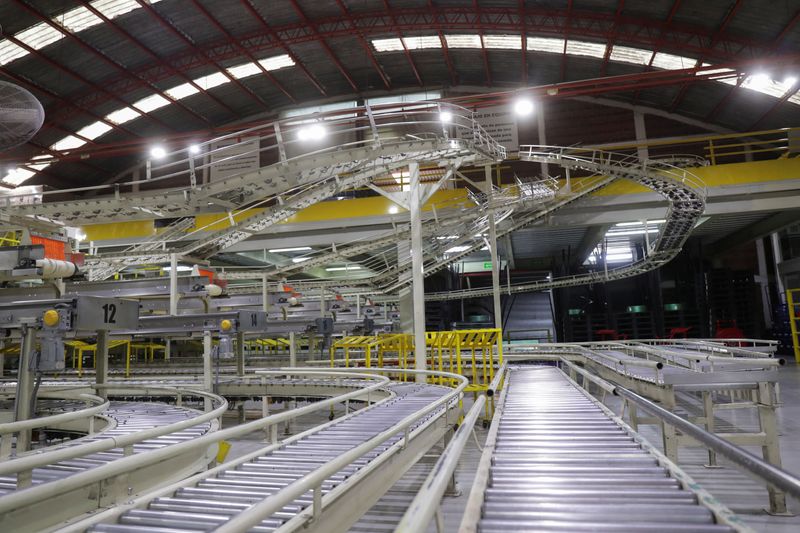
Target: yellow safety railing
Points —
{"points": [[718, 149], [793, 303], [10, 238], [79, 348], [389, 349]]}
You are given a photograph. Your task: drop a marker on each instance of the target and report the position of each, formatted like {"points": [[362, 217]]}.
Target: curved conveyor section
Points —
{"points": [[127, 418], [206, 504], [684, 192], [559, 463]]}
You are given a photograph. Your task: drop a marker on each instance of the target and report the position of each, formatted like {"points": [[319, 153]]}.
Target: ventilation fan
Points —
{"points": [[21, 115]]}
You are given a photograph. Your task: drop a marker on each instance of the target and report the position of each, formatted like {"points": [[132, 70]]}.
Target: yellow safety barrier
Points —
{"points": [[793, 303], [79, 348], [388, 348]]}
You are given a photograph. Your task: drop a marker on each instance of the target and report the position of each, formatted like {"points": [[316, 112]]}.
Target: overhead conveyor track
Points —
{"points": [[556, 460]]}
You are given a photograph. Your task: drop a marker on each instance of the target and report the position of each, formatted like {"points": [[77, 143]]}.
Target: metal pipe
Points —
{"points": [[24, 392], [428, 498], [417, 267], [603, 384], [758, 467]]}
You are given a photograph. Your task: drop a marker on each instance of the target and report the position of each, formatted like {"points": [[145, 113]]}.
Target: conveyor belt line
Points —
{"points": [[558, 460]]}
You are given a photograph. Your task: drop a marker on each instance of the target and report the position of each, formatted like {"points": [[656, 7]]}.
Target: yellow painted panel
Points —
{"points": [[722, 175], [119, 230], [218, 221]]}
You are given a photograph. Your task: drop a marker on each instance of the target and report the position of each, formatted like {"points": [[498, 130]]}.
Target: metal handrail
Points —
{"points": [[758, 467], [40, 458], [429, 496], [282, 134], [313, 480]]}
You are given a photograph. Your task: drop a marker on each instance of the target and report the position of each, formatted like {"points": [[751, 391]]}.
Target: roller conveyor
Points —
{"points": [[129, 417], [205, 504], [561, 464]]}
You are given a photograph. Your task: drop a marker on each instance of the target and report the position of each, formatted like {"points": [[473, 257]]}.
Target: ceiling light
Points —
{"points": [[344, 268], [758, 81], [314, 132], [295, 249], [181, 268], [446, 116], [158, 152], [194, 149], [790, 81], [523, 107], [456, 249], [300, 259], [393, 210]]}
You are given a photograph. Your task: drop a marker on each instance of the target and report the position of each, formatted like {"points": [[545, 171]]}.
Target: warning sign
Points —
{"points": [[238, 156], [500, 123]]}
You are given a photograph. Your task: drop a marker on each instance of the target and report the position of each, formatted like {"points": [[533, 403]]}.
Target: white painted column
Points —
{"points": [[763, 281], [641, 135], [498, 308], [101, 362], [778, 256], [173, 284], [264, 294], [25, 387], [542, 137], [207, 376], [292, 350], [417, 279]]}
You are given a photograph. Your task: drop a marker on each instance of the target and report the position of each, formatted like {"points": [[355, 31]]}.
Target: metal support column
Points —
{"points": [[101, 363], [778, 256], [264, 294], [763, 282], [207, 374], [497, 308], [24, 398], [173, 284], [292, 350], [167, 349], [240, 353], [417, 278]]}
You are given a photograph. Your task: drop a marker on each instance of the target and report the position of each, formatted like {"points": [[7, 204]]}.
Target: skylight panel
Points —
{"points": [[626, 54], [463, 41], [115, 8], [502, 42], [545, 44], [121, 116], [423, 42], [244, 71], [10, 51], [795, 99], [584, 48], [39, 36], [70, 142], [18, 176], [765, 85], [212, 80], [182, 91], [673, 62], [78, 19], [94, 130], [151, 103], [277, 62], [387, 45]]}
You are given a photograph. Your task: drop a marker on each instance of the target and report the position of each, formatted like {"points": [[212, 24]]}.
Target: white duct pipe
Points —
{"points": [[54, 268]]}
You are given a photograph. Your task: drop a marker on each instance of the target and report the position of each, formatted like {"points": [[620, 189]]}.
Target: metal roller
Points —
{"points": [[214, 500], [561, 464]]}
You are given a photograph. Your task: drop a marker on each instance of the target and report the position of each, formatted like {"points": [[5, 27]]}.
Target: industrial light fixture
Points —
{"points": [[456, 249], [194, 149], [789, 81], [312, 132], [343, 269], [299, 259], [758, 81], [295, 249], [158, 152], [180, 268], [523, 107], [393, 210], [446, 116]]}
